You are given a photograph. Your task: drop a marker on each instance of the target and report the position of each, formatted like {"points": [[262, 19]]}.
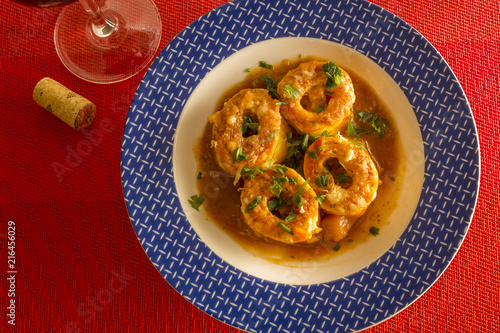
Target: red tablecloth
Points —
{"points": [[79, 264]]}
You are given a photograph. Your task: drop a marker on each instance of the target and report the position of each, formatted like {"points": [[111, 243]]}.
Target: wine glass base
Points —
{"points": [[114, 58]]}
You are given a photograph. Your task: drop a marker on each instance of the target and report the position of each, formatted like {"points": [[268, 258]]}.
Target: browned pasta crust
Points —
{"points": [[269, 141], [302, 228], [304, 113]]}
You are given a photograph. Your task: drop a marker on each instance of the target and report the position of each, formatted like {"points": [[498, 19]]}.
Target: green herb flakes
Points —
{"points": [[377, 124], [273, 204], [272, 136], [264, 64], [354, 130], [238, 155], [321, 181], [357, 144], [297, 196], [321, 108], [336, 247], [380, 125], [251, 172], [280, 169], [292, 92], [343, 178], [196, 200], [304, 141], [255, 202], [314, 153], [291, 216], [249, 125], [271, 86], [334, 74], [374, 231], [284, 227], [320, 198]]}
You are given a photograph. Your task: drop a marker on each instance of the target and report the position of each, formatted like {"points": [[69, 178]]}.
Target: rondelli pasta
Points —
{"points": [[343, 174], [318, 97], [279, 204], [248, 131], [301, 171]]}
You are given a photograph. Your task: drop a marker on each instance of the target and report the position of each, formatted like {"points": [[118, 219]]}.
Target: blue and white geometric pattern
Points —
{"points": [[364, 298]]}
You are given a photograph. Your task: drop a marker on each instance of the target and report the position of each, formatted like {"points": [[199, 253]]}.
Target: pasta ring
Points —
{"points": [[351, 199], [258, 194], [228, 139], [316, 109]]}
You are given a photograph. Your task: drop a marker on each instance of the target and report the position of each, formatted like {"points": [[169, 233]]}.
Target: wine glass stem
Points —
{"points": [[102, 26]]}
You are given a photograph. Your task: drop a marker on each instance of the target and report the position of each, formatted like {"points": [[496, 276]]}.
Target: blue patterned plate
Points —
{"points": [[351, 292]]}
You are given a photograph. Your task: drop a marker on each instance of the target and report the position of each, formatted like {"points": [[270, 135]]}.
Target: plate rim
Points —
{"points": [[470, 114]]}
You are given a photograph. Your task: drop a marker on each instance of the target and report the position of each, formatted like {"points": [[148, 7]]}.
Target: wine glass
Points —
{"points": [[105, 41]]}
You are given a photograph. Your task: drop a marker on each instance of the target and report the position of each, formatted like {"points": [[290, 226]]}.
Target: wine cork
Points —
{"points": [[75, 110]]}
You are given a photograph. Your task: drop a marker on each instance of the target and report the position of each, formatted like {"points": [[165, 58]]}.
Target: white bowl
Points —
{"points": [[202, 103]]}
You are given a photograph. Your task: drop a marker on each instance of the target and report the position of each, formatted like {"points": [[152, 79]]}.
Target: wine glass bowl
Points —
{"points": [[107, 42]]}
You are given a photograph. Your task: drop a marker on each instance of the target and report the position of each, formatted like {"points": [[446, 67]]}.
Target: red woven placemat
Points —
{"points": [[79, 264]]}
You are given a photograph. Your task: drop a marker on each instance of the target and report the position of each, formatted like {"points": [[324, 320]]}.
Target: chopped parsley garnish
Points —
{"points": [[271, 86], [255, 202], [297, 196], [264, 64], [238, 155], [291, 216], [321, 108], [336, 247], [280, 169], [380, 125], [357, 144], [374, 231], [200, 174], [343, 178], [272, 136], [270, 162], [297, 147], [327, 167], [321, 198], [249, 124], [326, 134], [273, 204], [321, 181], [251, 171], [292, 91], [334, 74], [354, 129], [248, 69], [196, 200], [277, 186], [363, 116], [304, 141], [284, 227], [314, 153], [377, 124]]}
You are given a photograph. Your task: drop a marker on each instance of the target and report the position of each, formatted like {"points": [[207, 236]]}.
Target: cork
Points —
{"points": [[75, 110]]}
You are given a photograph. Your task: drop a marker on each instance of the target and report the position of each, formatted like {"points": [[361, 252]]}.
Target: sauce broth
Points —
{"points": [[222, 198]]}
